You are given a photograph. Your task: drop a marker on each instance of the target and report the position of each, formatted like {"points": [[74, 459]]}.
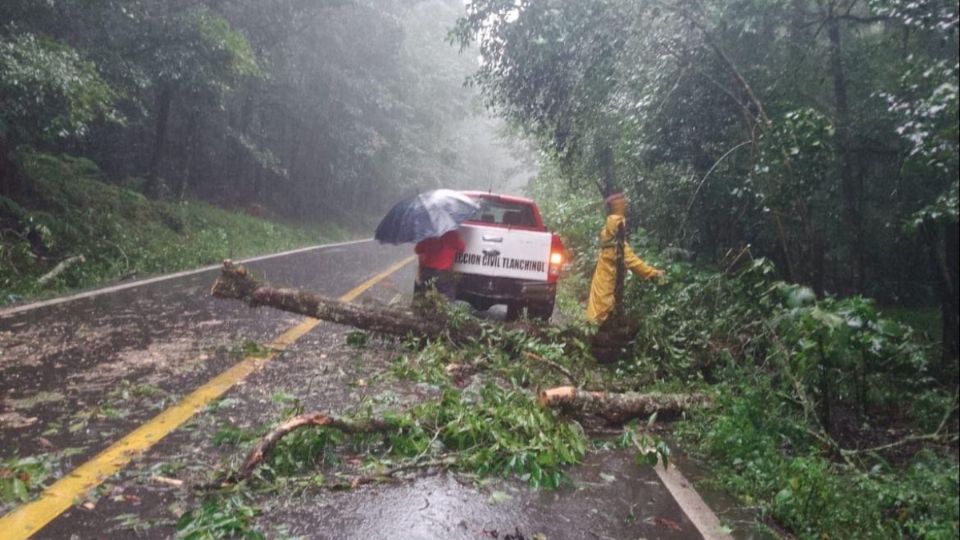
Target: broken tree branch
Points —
{"points": [[262, 450], [617, 407], [390, 475], [60, 268], [553, 365], [236, 282], [937, 436]]}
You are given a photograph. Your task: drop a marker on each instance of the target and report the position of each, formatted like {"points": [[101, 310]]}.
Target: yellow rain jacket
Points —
{"points": [[605, 276]]}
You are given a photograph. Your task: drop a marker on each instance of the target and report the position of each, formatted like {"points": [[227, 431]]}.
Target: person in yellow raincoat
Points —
{"points": [[603, 286]]}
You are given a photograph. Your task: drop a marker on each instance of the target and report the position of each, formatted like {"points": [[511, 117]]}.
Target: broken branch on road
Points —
{"points": [[236, 282], [499, 410], [318, 419], [616, 407]]}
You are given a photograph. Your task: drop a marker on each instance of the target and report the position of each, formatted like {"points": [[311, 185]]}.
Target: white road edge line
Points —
{"points": [[114, 288], [704, 520]]}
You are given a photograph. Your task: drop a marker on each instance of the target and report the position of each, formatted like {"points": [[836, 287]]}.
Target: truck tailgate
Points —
{"points": [[501, 252]]}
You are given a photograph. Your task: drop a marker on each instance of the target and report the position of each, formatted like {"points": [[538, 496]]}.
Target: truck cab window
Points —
{"points": [[505, 213]]}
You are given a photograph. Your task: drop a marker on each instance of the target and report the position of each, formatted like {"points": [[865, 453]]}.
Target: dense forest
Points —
{"points": [[312, 114], [334, 107], [793, 165], [823, 135]]}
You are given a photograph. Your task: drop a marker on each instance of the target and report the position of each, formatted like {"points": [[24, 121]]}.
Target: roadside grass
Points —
{"points": [[120, 233], [757, 448]]}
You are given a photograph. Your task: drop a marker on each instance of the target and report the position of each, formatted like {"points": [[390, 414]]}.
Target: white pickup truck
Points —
{"points": [[510, 257]]}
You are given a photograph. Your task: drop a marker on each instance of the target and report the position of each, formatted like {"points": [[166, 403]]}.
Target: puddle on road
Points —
{"points": [[611, 498]]}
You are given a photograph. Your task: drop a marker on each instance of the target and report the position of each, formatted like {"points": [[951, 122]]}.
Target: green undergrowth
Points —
{"points": [[830, 418], [926, 321], [120, 233], [758, 448]]}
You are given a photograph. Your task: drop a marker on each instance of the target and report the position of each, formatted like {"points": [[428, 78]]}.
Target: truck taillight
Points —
{"points": [[556, 257]]}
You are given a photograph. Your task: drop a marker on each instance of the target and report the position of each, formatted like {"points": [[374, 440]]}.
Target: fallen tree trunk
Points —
{"points": [[616, 407], [60, 268], [236, 282], [262, 450]]}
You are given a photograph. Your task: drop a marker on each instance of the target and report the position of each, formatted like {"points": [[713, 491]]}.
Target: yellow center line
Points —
{"points": [[27, 519]]}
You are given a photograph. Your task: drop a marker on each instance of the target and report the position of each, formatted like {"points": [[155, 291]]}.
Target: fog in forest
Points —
{"points": [[313, 111]]}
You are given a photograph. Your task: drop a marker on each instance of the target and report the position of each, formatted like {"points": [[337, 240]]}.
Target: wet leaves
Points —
{"points": [[22, 477], [230, 434], [252, 349], [499, 497], [220, 516], [15, 420]]}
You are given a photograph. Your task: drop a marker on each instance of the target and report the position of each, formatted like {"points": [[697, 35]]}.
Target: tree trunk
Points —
{"points": [[235, 282], [240, 154], [164, 98], [848, 184], [183, 182], [950, 262], [11, 179], [617, 408], [608, 169]]}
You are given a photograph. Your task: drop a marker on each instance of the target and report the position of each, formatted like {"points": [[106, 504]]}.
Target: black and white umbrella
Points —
{"points": [[427, 215]]}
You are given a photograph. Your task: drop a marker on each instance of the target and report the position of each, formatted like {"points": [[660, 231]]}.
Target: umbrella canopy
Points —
{"points": [[429, 214]]}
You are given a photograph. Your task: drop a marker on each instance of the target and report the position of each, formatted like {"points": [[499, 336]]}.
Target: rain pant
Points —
{"points": [[604, 281]]}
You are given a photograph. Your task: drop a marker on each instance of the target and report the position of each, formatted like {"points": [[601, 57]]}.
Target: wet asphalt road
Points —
{"points": [[77, 376]]}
